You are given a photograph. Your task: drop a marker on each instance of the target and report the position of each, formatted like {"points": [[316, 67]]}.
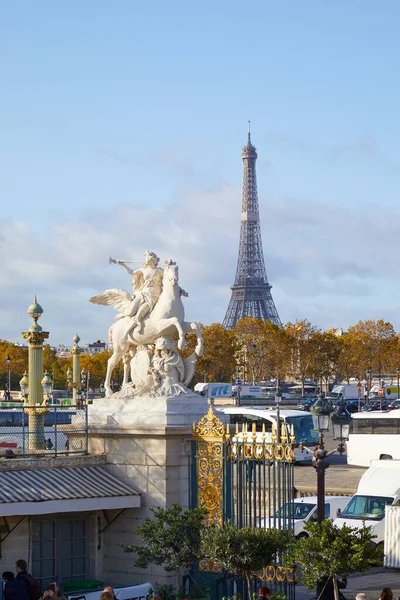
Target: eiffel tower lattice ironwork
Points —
{"points": [[251, 292]]}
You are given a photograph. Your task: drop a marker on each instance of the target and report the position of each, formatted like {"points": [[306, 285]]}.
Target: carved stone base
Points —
{"points": [[184, 409]]}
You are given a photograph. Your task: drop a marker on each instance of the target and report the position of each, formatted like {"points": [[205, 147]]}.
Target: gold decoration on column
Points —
{"points": [[210, 436]]}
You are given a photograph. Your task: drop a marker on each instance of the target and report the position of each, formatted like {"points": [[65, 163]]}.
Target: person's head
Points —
{"points": [[21, 565], [386, 594], [264, 592], [53, 587], [361, 596], [151, 258], [107, 596], [110, 590], [8, 576]]}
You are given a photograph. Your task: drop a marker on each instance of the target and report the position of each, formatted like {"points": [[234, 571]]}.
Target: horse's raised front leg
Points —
{"points": [[165, 324], [187, 327]]}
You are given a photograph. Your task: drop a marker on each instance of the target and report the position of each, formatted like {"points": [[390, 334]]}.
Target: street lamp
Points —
{"points": [[398, 376], [341, 420], [278, 398], [320, 415], [69, 380], [8, 361], [369, 373], [47, 385], [238, 384], [85, 381], [320, 381], [24, 385]]}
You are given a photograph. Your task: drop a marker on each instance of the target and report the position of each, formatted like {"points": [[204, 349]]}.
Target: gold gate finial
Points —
{"points": [[210, 426]]}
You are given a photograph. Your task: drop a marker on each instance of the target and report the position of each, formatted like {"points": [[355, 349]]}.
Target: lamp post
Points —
{"points": [[320, 381], [278, 398], [398, 377], [341, 420], [382, 395], [369, 373], [73, 378], [85, 382], [320, 415], [32, 387], [8, 361], [238, 383]]}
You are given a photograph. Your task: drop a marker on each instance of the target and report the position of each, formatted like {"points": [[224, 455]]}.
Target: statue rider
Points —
{"points": [[147, 286]]}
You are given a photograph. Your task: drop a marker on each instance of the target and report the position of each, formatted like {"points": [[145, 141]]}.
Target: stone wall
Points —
{"points": [[154, 460]]}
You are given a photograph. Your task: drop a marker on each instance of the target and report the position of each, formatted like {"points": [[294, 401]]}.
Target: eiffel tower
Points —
{"points": [[251, 292]]}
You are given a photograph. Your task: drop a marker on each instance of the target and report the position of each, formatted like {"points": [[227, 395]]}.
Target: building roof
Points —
{"points": [[65, 489]]}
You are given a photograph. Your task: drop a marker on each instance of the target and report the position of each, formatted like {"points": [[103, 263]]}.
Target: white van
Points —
{"points": [[378, 487], [305, 510]]}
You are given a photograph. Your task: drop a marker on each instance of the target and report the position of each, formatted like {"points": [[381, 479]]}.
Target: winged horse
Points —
{"points": [[166, 318]]}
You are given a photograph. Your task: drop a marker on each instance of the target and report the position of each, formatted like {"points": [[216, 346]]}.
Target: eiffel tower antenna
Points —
{"points": [[251, 292]]}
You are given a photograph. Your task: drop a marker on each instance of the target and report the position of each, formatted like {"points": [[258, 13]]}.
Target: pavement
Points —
{"points": [[370, 583]]}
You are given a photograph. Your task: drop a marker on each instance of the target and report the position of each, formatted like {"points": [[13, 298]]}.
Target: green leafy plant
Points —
{"points": [[330, 551], [243, 551], [171, 538]]}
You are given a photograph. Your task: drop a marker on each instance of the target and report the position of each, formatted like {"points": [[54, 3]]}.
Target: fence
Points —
{"points": [[43, 430]]}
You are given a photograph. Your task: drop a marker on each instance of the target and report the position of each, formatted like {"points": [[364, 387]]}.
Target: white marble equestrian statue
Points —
{"points": [[166, 318]]}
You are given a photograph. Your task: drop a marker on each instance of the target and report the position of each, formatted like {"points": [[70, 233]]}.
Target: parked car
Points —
{"points": [[395, 404], [376, 405], [305, 510], [353, 405], [307, 403]]}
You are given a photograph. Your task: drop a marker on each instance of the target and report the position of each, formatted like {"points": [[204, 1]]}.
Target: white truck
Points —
{"points": [[378, 487], [346, 392], [390, 392], [214, 390], [305, 510]]}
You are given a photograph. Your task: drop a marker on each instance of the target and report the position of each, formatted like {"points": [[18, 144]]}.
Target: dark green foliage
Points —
{"points": [[171, 538], [332, 551], [243, 551]]}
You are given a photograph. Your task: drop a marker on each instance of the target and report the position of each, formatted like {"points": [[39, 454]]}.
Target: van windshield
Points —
{"points": [[300, 510], [303, 429], [366, 507]]}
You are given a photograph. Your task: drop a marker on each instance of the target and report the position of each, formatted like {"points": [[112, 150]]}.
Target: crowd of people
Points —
{"points": [[325, 591], [22, 586]]}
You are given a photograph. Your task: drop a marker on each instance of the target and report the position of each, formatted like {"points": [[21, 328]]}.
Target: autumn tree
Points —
{"points": [[327, 352], [263, 349], [303, 350], [347, 364], [375, 341], [218, 362]]}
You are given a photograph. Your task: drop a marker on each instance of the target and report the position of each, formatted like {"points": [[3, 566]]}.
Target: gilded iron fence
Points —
{"points": [[32, 430], [246, 477]]}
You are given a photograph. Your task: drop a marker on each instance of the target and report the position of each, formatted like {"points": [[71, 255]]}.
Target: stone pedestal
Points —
{"points": [[146, 443]]}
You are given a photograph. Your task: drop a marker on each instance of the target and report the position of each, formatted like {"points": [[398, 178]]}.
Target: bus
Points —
{"points": [[302, 423], [373, 435]]}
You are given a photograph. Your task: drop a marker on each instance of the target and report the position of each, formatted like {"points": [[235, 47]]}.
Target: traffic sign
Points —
{"points": [[380, 392], [239, 382]]}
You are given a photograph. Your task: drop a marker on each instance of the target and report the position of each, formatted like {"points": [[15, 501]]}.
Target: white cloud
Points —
{"points": [[326, 262]]}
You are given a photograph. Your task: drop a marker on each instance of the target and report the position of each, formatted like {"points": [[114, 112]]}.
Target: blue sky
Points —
{"points": [[122, 126]]}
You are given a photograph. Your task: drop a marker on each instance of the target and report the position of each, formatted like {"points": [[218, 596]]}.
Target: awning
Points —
{"points": [[63, 489]]}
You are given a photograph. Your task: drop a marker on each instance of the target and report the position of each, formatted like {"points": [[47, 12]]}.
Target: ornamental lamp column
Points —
{"points": [[76, 369], [34, 404]]}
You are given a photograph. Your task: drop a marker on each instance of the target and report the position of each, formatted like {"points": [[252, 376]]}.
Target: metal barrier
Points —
{"points": [[43, 430]]}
